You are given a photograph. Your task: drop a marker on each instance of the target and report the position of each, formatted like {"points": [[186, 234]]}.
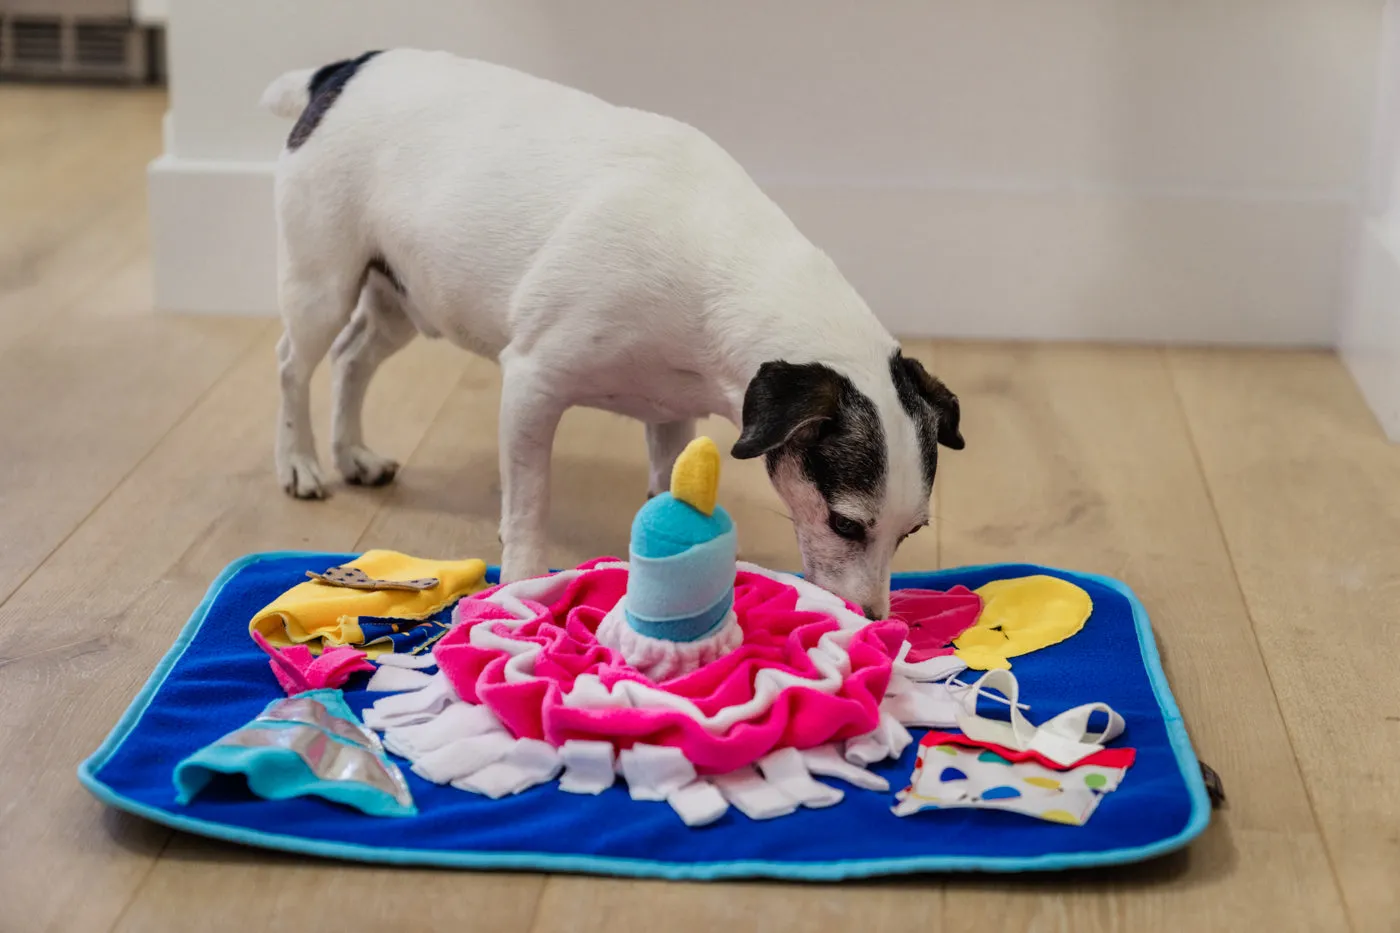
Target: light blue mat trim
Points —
{"points": [[642, 868]]}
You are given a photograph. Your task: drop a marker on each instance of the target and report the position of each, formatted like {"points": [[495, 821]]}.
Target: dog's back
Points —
{"points": [[458, 175]]}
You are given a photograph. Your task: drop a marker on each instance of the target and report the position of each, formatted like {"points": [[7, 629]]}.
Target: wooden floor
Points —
{"points": [[1247, 497]]}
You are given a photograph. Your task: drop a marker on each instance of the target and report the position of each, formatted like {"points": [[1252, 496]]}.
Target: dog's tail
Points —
{"points": [[288, 95]]}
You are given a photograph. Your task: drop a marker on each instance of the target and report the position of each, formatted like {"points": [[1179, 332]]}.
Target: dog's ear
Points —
{"points": [[787, 403], [932, 390]]}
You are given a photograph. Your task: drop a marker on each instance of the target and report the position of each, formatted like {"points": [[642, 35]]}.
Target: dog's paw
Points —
{"points": [[363, 467], [301, 478]]}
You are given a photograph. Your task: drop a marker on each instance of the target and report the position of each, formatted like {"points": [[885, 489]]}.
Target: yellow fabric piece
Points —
{"points": [[695, 477], [1061, 816], [1019, 616], [321, 615]]}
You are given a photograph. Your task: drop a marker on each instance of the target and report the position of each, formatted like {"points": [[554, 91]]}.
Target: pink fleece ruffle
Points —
{"points": [[298, 670], [776, 635]]}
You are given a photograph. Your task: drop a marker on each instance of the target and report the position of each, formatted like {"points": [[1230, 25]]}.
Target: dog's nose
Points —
{"points": [[872, 611]]}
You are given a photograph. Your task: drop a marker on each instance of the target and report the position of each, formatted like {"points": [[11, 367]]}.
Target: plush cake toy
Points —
{"points": [[678, 613]]}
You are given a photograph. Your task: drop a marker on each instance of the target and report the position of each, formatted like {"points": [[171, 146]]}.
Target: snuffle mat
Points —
{"points": [[215, 680]]}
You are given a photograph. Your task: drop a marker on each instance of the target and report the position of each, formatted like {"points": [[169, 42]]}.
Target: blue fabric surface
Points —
{"points": [[407, 636], [215, 679]]}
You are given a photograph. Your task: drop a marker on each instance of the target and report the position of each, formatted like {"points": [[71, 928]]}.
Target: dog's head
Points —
{"points": [[854, 467]]}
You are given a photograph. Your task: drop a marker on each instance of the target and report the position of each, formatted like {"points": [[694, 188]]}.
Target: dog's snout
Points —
{"points": [[879, 609]]}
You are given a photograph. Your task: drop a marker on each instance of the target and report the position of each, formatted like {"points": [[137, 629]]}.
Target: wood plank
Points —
{"points": [[74, 196], [76, 272], [82, 401], [73, 165], [88, 380], [608, 905], [1078, 457], [201, 887], [82, 634], [1308, 494]]}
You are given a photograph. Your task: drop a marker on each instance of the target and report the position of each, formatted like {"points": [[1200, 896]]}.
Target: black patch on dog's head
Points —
{"points": [[814, 413], [934, 409], [325, 87]]}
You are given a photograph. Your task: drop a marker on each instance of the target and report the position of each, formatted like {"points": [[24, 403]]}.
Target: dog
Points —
{"points": [[604, 257]]}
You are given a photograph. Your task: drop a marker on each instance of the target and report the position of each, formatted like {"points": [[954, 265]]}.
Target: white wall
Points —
{"points": [[1103, 169], [151, 12], [1370, 333]]}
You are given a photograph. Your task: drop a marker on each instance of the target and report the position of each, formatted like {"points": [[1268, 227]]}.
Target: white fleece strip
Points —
{"points": [[888, 740], [416, 662], [698, 804], [786, 770], [458, 721], [930, 669], [756, 798], [588, 766], [462, 757], [654, 772], [403, 709], [828, 761], [397, 680], [527, 763], [931, 705]]}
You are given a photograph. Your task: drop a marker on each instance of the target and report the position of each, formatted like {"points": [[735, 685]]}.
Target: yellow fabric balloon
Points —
{"points": [[1019, 616], [695, 477]]}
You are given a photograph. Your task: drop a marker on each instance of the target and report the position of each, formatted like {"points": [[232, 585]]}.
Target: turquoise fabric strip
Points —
{"points": [[661, 589], [693, 628]]}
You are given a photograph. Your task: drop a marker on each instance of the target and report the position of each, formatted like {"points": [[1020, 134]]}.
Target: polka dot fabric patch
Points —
{"points": [[973, 776], [356, 579]]}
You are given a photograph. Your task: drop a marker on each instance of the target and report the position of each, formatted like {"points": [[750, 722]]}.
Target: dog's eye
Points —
{"points": [[912, 531], [848, 528]]}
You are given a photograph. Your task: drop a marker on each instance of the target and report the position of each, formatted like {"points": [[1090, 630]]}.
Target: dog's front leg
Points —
{"points": [[665, 442], [530, 415]]}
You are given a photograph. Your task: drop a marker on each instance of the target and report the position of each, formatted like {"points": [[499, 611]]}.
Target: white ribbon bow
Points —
{"points": [[1065, 739]]}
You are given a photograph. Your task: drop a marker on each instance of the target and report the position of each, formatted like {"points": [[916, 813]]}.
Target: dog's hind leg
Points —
{"points": [[378, 329], [315, 308], [664, 444]]}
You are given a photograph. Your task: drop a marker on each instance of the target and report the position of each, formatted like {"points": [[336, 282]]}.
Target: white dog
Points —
{"points": [[605, 257]]}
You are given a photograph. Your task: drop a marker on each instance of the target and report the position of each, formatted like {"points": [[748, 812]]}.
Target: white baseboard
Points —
{"points": [[213, 236], [992, 261], [1370, 337]]}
